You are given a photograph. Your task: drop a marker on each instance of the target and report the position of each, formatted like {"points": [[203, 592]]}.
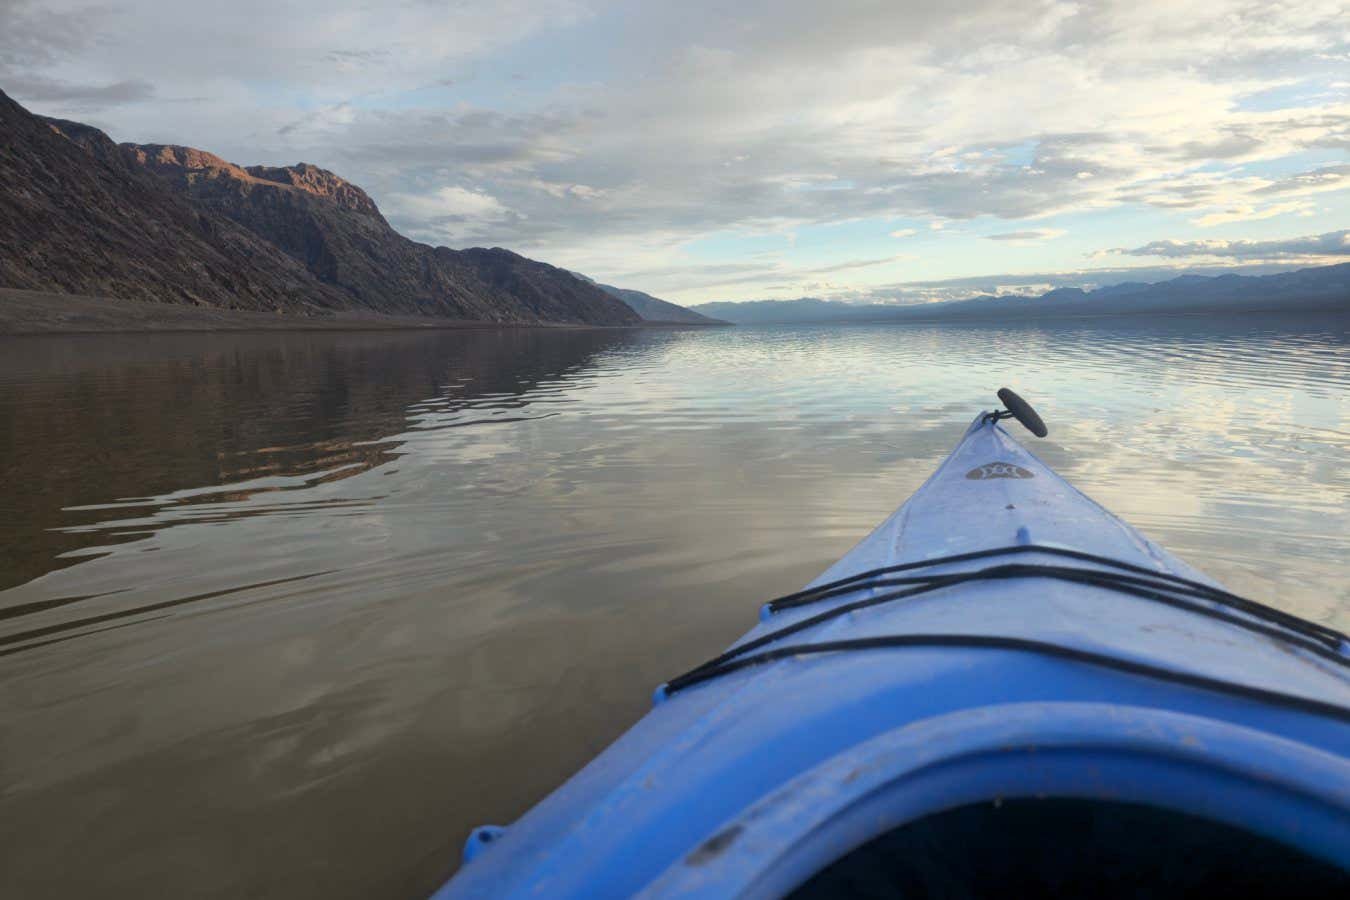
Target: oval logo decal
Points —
{"points": [[998, 470]]}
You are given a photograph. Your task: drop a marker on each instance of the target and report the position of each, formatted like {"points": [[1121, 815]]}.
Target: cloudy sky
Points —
{"points": [[890, 150]]}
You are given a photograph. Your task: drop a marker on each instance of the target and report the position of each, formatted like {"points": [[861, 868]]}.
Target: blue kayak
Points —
{"points": [[1003, 688]]}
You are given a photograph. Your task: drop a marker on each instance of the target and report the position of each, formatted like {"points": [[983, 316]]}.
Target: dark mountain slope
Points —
{"points": [[80, 214], [76, 218], [654, 309], [335, 230]]}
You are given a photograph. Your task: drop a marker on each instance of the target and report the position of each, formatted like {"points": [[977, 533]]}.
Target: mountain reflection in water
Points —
{"points": [[286, 614]]}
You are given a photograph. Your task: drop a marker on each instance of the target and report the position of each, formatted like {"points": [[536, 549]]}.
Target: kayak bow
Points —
{"points": [[1000, 639]]}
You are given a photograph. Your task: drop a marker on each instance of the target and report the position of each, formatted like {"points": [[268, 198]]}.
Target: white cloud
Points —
{"points": [[1028, 237], [1247, 213], [1331, 246], [1327, 178], [340, 47], [453, 203], [856, 264], [904, 232], [761, 118]]}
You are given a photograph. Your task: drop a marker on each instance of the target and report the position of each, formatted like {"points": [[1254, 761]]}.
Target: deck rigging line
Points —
{"points": [[1138, 581]]}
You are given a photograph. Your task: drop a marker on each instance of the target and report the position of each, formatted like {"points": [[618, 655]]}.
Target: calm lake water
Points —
{"points": [[284, 615]]}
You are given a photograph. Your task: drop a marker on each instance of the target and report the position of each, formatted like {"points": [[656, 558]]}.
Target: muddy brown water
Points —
{"points": [[285, 614]]}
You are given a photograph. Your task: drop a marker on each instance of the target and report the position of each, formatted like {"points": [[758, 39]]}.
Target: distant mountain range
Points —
{"points": [[654, 310], [658, 311], [1322, 288], [80, 214]]}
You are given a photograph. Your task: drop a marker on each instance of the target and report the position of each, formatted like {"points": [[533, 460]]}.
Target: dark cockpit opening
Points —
{"points": [[1073, 849]]}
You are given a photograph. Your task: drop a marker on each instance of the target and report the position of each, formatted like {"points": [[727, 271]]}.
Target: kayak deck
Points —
{"points": [[954, 514], [752, 780]]}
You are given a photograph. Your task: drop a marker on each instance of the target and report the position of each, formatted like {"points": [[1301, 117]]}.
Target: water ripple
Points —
{"points": [[320, 574]]}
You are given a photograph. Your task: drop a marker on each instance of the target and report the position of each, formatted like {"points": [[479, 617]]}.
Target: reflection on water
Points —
{"points": [[284, 615]]}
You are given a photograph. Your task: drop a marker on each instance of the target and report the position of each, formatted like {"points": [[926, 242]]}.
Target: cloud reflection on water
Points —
{"points": [[373, 589]]}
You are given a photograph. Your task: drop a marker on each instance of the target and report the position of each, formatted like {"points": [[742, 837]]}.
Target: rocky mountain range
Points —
{"points": [[1322, 288], [81, 214], [654, 310], [658, 311]]}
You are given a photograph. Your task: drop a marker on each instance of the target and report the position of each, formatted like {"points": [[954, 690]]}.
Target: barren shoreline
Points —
{"points": [[39, 312]]}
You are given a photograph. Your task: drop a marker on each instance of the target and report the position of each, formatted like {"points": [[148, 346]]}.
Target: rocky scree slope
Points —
{"points": [[81, 214], [336, 231], [76, 218], [654, 309]]}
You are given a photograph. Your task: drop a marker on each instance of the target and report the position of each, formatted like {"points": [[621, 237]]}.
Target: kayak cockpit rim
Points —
{"points": [[1259, 783]]}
